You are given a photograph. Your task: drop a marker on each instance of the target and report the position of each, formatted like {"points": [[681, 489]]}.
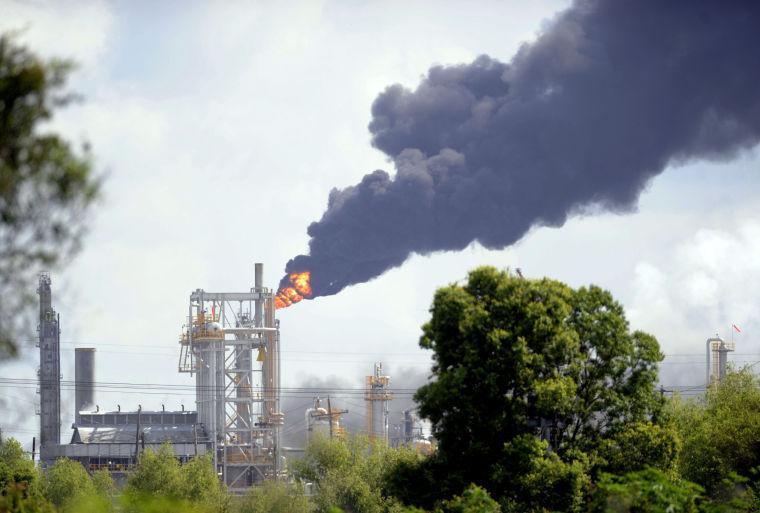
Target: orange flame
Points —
{"points": [[301, 288]]}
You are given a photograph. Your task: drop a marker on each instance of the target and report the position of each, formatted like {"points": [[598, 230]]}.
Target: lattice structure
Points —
{"points": [[231, 343]]}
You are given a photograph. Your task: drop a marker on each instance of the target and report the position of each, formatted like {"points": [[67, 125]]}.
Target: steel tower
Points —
{"points": [[237, 388], [49, 372]]}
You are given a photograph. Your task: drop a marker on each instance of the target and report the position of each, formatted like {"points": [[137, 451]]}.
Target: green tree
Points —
{"points": [[17, 469], [639, 445], [516, 358], [473, 500], [721, 436], [16, 499], [104, 484], [200, 484], [351, 475], [644, 491], [159, 483], [275, 497], [157, 473], [46, 186], [67, 481]]}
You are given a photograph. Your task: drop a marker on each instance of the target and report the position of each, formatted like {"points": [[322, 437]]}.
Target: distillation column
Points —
{"points": [[50, 369], [717, 358], [377, 394]]}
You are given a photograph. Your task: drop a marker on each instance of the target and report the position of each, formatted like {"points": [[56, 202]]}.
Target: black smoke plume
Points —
{"points": [[605, 99]]}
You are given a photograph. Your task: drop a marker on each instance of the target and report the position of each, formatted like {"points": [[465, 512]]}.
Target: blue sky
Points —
{"points": [[220, 129]]}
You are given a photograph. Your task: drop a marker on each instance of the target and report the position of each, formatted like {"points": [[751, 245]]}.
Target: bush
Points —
{"points": [[275, 497], [17, 469], [159, 483], [67, 481], [645, 491], [351, 475], [473, 500]]}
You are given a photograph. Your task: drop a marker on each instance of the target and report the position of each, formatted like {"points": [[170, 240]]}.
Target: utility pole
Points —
{"points": [[137, 434], [330, 415]]}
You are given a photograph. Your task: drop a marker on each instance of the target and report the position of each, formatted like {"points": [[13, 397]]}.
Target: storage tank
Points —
{"points": [[317, 421]]}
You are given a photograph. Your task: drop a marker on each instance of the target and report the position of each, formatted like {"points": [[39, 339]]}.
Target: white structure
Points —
{"points": [[717, 358], [317, 421]]}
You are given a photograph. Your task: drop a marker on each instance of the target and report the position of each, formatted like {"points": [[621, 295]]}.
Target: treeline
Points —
{"points": [[701, 456], [542, 400]]}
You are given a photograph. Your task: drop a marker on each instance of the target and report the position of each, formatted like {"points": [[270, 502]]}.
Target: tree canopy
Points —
{"points": [[159, 476], [66, 482], [46, 185], [530, 376], [352, 475], [721, 436]]}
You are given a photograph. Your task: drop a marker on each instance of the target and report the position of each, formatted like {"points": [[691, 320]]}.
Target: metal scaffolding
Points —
{"points": [[237, 394]]}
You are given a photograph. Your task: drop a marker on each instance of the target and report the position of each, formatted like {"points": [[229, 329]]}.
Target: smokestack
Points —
{"points": [[580, 120], [258, 284], [84, 376]]}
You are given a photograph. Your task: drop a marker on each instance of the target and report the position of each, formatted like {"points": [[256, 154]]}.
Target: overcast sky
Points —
{"points": [[220, 129]]}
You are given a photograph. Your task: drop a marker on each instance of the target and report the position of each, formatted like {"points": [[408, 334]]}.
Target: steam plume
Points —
{"points": [[607, 97]]}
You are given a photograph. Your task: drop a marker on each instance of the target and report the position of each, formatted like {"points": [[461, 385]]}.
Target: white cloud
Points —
{"points": [[71, 29], [710, 281]]}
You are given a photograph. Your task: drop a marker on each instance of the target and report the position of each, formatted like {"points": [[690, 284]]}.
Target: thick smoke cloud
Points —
{"points": [[607, 97]]}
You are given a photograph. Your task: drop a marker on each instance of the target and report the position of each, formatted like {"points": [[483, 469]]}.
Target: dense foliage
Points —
{"points": [[160, 479], [352, 475], [46, 186], [532, 377], [644, 491], [721, 438]]}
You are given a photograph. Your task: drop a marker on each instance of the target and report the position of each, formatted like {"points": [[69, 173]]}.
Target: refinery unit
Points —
{"points": [[230, 344]]}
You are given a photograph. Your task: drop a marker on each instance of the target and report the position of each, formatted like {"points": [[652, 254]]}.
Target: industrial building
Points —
{"points": [[230, 343]]}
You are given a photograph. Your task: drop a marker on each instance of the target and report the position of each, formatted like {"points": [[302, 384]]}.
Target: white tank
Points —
{"points": [[213, 328], [317, 423], [210, 329]]}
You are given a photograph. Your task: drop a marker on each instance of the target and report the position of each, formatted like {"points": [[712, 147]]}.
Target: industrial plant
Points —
{"points": [[230, 344]]}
